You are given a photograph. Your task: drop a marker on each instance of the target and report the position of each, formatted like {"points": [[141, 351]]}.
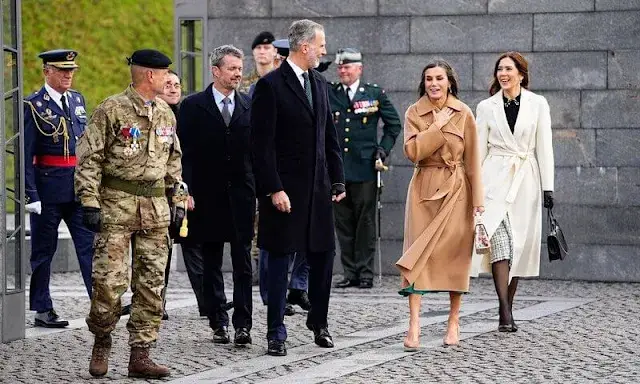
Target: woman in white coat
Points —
{"points": [[514, 135]]}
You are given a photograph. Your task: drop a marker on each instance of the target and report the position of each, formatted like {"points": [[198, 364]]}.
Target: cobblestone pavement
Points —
{"points": [[570, 332]]}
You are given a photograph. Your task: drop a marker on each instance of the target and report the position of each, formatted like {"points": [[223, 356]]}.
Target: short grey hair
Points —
{"points": [[302, 31], [218, 54]]}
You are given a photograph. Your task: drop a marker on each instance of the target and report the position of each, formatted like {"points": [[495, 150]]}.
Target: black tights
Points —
{"points": [[505, 291]]}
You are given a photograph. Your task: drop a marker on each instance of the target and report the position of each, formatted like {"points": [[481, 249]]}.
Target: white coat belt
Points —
{"points": [[517, 161]]}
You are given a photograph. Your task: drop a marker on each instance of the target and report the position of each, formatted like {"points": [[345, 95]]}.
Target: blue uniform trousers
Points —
{"points": [[320, 274], [44, 241], [298, 267]]}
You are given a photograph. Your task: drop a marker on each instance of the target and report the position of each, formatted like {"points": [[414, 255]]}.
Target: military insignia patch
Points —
{"points": [[78, 98], [80, 110], [46, 97]]}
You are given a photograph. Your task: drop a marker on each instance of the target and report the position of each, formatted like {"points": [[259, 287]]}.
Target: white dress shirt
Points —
{"points": [[298, 71], [56, 96], [353, 88], [218, 97]]}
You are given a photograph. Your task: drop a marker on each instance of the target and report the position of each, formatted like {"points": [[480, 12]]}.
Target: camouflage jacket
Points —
{"points": [[132, 141], [249, 79]]}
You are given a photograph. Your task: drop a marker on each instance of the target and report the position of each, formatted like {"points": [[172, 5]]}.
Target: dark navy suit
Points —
{"points": [[296, 150], [49, 169]]}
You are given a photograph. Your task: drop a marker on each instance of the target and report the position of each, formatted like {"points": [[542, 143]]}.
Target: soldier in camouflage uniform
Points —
{"points": [[356, 108], [128, 155], [264, 55]]}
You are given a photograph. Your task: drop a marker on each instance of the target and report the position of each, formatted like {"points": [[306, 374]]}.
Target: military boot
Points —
{"points": [[100, 356], [141, 365]]}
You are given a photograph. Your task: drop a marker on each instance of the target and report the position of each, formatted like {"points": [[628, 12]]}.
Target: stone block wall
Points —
{"points": [[584, 58]]}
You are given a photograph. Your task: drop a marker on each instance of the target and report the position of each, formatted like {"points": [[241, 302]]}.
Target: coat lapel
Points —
{"points": [[207, 102], [524, 115], [292, 81], [240, 107], [501, 120]]}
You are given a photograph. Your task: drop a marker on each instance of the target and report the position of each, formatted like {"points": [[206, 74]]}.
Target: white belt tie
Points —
{"points": [[519, 170]]}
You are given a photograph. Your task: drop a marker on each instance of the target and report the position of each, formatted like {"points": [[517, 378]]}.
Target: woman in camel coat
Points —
{"points": [[514, 137], [445, 190]]}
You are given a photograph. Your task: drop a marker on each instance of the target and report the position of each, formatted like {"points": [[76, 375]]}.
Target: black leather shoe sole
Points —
{"points": [[289, 311], [509, 328], [279, 350], [242, 339], [324, 341], [57, 324], [350, 283], [366, 284]]}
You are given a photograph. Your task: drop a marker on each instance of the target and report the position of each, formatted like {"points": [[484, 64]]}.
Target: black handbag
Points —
{"points": [[556, 243]]}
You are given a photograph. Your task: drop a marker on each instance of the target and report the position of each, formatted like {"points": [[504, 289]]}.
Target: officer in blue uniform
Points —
{"points": [[54, 119]]}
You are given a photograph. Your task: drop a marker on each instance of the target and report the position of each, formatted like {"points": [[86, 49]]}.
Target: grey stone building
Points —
{"points": [[584, 57]]}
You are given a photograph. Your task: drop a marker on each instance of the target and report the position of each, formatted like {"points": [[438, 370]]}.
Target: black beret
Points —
{"points": [[60, 58], [263, 38], [282, 46], [149, 58]]}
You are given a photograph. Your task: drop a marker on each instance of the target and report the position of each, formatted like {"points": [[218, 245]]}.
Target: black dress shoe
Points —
{"points": [[49, 319], [288, 310], [165, 315], [277, 348], [300, 298], [126, 310], [510, 328], [242, 337], [221, 336], [366, 283], [346, 283], [322, 337]]}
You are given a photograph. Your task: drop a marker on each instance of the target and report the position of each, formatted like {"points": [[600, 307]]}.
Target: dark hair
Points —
{"points": [[172, 72], [521, 65], [451, 75]]}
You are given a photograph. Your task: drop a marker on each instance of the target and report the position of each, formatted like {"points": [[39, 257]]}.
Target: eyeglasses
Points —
{"points": [[176, 86]]}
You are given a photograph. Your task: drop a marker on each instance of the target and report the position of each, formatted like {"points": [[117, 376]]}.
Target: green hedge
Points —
{"points": [[103, 32]]}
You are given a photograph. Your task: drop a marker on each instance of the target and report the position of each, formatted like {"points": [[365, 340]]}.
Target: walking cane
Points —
{"points": [[380, 167]]}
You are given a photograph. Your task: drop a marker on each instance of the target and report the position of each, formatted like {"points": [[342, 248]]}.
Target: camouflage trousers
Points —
{"points": [[111, 279]]}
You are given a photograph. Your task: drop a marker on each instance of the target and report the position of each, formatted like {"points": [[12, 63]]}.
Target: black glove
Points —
{"points": [[177, 214], [548, 199], [91, 218], [323, 66], [380, 154], [337, 188]]}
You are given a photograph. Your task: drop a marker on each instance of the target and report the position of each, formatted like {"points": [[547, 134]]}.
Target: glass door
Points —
{"points": [[12, 220]]}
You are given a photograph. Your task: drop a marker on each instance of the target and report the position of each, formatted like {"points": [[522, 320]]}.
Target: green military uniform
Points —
{"points": [[127, 156], [356, 121], [247, 80]]}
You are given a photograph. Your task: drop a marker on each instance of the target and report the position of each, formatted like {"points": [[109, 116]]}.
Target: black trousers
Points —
{"points": [[320, 274], [192, 255], [213, 284], [355, 219]]}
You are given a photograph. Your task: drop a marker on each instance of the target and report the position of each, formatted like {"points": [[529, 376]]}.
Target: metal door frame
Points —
{"points": [[12, 311]]}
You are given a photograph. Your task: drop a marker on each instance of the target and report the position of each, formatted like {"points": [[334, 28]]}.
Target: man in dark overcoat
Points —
{"points": [[214, 132], [299, 173]]}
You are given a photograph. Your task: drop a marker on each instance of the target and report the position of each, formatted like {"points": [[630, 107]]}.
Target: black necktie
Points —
{"points": [[307, 88], [65, 107], [346, 92]]}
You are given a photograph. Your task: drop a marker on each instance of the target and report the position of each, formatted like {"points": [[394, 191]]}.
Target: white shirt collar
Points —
{"points": [[218, 96], [298, 71], [353, 87], [55, 95]]}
